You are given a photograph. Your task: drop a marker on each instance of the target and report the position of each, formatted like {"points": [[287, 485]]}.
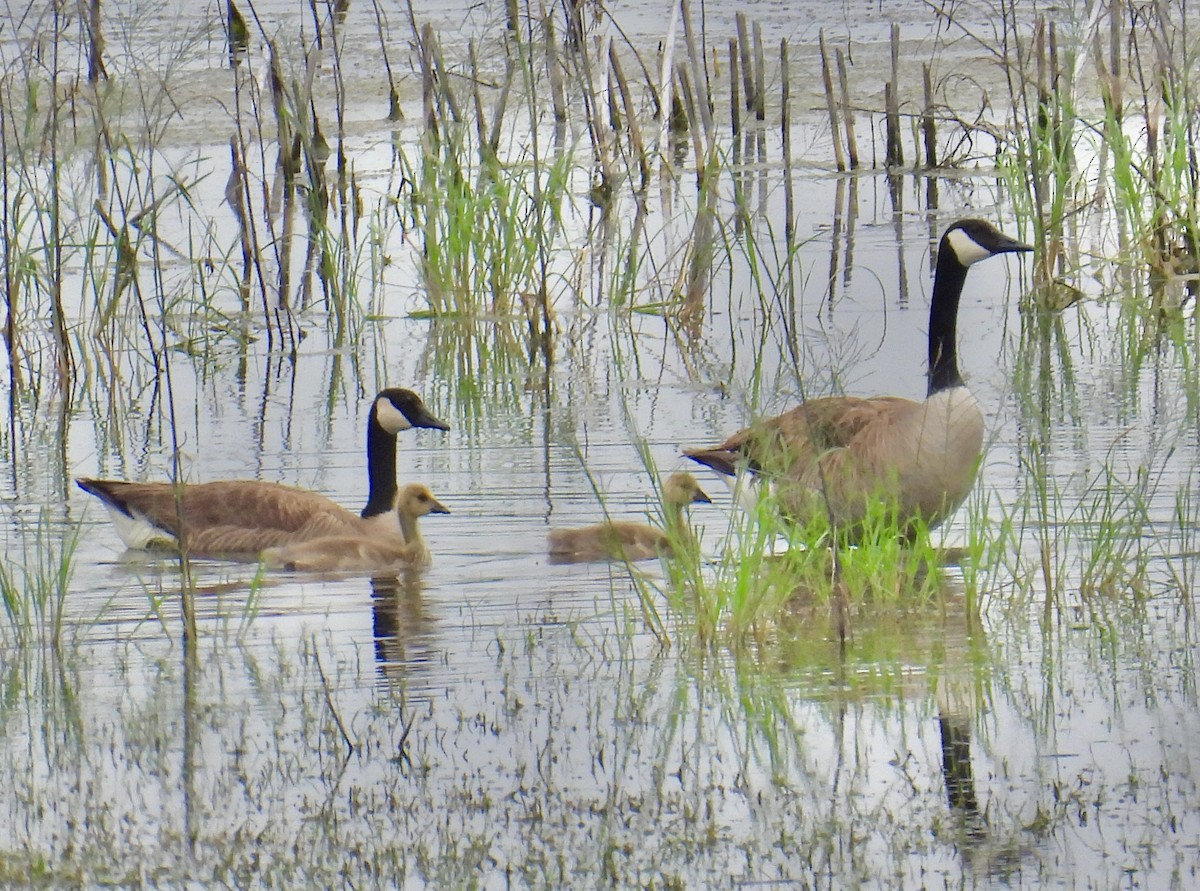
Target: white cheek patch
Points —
{"points": [[389, 417], [966, 248]]}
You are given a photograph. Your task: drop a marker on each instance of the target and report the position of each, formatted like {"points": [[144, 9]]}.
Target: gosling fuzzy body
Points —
{"points": [[631, 541], [365, 553]]}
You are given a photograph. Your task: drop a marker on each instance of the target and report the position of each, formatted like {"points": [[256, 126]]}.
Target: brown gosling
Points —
{"points": [[624, 540], [359, 553], [232, 518], [836, 456]]}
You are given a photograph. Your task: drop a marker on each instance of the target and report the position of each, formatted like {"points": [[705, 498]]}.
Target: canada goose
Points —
{"points": [[838, 454], [623, 540], [242, 517], [362, 552]]}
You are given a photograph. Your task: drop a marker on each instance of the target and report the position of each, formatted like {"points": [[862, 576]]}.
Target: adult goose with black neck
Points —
{"points": [[230, 518], [838, 455]]}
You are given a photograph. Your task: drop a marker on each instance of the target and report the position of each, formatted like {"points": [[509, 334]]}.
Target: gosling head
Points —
{"points": [[415, 500], [682, 489]]}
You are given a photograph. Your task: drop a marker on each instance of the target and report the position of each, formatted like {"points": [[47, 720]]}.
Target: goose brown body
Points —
{"points": [[627, 540], [230, 518], [365, 552], [838, 455]]}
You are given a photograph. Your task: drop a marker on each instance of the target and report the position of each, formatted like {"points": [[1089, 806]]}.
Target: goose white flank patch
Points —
{"points": [[839, 454], [232, 518]]}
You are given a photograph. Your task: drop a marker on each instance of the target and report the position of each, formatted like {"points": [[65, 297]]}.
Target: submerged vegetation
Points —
{"points": [[590, 239]]}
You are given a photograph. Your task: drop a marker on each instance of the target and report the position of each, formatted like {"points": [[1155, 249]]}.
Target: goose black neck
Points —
{"points": [[948, 281], [381, 469]]}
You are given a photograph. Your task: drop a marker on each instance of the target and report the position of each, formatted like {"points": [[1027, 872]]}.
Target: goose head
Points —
{"points": [[963, 244], [396, 409], [969, 241]]}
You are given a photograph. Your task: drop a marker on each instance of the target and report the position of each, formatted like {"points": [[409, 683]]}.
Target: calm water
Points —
{"points": [[499, 720]]}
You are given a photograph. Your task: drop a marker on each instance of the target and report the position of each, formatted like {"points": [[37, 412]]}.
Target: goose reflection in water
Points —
{"points": [[402, 624]]}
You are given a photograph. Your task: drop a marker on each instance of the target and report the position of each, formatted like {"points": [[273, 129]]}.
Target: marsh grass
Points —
{"points": [[34, 582], [765, 570]]}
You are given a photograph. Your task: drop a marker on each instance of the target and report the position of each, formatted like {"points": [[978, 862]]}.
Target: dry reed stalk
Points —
{"points": [[689, 102], [395, 113], [785, 123], [735, 112], [1114, 54], [235, 197], [633, 124], [699, 78], [839, 154], [554, 69], [895, 152], [95, 44], [760, 75], [847, 110], [427, 81], [612, 93], [928, 125], [743, 40], [670, 109]]}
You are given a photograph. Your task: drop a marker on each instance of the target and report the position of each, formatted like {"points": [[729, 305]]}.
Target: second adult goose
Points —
{"points": [[242, 517], [366, 553], [624, 540], [837, 455]]}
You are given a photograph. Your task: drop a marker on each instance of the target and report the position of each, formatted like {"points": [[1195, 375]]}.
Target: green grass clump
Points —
{"points": [[34, 584], [767, 569]]}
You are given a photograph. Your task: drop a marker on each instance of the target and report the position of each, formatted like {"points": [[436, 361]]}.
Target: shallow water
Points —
{"points": [[500, 720]]}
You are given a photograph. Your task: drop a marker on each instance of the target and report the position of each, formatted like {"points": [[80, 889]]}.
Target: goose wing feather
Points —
{"points": [[792, 442], [229, 516]]}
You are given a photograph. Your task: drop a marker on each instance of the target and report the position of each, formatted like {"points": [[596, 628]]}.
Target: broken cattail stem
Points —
{"points": [[703, 92], [427, 81], [928, 126], [689, 99], [847, 110], [554, 70], [631, 119], [786, 136], [839, 155], [743, 39], [760, 75], [477, 96], [895, 152], [735, 112]]}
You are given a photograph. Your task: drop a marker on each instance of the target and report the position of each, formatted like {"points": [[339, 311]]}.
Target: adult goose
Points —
{"points": [[230, 518], [624, 540], [837, 455], [365, 553]]}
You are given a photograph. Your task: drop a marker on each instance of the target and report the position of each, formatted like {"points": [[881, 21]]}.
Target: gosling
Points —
{"points": [[623, 540], [355, 553]]}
